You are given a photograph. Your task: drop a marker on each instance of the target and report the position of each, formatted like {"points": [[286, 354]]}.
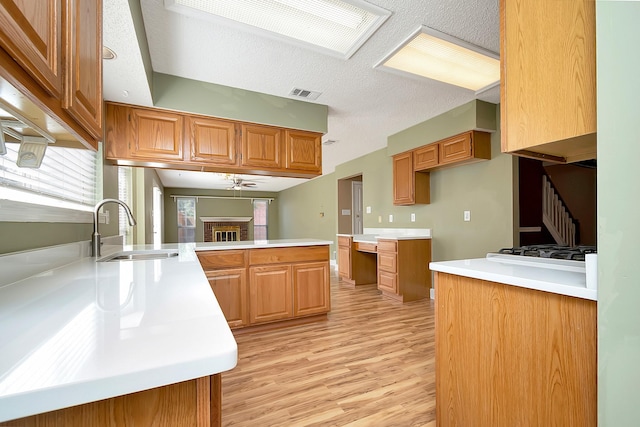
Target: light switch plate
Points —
{"points": [[368, 209], [467, 215], [390, 218], [413, 217]]}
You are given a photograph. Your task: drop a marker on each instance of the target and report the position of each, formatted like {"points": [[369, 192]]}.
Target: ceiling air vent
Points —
{"points": [[304, 93]]}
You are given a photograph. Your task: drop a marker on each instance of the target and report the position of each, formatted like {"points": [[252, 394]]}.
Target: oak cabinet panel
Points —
{"points": [[212, 141], [388, 282], [403, 268], [83, 61], [270, 293], [156, 135], [230, 288], [196, 402], [304, 151], [455, 148], [344, 261], [409, 187], [261, 146], [425, 157], [310, 291], [508, 356], [548, 110], [31, 32]]}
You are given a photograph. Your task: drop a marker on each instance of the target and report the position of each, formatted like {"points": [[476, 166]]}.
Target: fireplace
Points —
{"points": [[225, 229]]}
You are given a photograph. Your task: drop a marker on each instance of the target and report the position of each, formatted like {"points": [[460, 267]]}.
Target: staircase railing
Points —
{"points": [[556, 217]]}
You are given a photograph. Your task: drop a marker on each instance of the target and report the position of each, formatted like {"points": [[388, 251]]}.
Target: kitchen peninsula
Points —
{"points": [[515, 342], [137, 342]]}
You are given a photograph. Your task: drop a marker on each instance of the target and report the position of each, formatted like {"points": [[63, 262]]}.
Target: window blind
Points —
{"points": [[66, 174]]}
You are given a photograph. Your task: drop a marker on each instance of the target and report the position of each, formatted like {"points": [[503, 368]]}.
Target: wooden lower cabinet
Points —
{"points": [[403, 268], [270, 293], [230, 289], [310, 294], [194, 403], [356, 261], [269, 285], [511, 356]]}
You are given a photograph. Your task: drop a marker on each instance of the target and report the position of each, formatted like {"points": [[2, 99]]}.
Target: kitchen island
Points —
{"points": [[140, 342], [516, 343]]}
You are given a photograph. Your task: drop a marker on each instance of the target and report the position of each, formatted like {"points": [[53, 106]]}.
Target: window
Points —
{"points": [[260, 219], [125, 193], [186, 219], [65, 184]]}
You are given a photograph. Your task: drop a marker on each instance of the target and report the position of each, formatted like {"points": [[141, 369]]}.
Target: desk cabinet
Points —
{"points": [[403, 268]]}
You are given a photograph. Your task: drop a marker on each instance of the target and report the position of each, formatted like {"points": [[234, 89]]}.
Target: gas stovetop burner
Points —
{"points": [[575, 253]]}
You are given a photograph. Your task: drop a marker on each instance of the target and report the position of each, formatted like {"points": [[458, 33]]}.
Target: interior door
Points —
{"points": [[356, 207]]}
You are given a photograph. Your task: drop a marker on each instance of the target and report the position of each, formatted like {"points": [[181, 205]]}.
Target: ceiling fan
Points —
{"points": [[238, 183]]}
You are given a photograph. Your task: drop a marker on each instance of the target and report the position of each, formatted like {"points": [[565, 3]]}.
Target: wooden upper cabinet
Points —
{"points": [[156, 135], [465, 147], [425, 157], [212, 141], [83, 61], [409, 187], [261, 146], [31, 32], [304, 151], [548, 78]]}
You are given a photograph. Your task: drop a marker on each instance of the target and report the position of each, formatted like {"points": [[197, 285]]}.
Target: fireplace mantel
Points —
{"points": [[226, 218]]}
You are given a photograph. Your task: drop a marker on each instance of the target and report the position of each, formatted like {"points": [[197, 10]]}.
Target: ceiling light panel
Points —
{"points": [[332, 26], [438, 56]]}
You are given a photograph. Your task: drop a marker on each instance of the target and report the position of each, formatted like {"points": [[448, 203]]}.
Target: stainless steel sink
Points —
{"points": [[140, 255]]}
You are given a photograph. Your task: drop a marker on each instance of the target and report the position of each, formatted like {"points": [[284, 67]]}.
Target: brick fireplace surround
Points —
{"points": [[210, 223]]}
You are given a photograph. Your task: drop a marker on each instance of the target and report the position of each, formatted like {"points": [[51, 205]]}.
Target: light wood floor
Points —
{"points": [[370, 364]]}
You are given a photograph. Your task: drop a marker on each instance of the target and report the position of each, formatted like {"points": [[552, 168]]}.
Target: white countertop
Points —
{"points": [[565, 278], [82, 330], [90, 330], [372, 235]]}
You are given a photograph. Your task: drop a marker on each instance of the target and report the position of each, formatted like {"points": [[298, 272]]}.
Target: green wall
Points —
{"points": [[223, 101], [216, 207], [485, 188], [309, 210], [618, 68], [22, 236]]}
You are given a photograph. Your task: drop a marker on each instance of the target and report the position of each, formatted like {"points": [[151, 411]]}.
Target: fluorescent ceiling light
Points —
{"points": [[438, 56], [337, 27]]}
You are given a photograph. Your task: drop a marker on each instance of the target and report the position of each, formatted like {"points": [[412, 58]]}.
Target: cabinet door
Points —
{"points": [[548, 78], [344, 261], [30, 31], [261, 146], [230, 289], [311, 288], [403, 179], [425, 157], [270, 293], [156, 135], [212, 141], [304, 151], [388, 282], [455, 149], [83, 61]]}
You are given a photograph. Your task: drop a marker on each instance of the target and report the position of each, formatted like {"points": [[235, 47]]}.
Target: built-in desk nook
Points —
{"points": [[398, 263]]}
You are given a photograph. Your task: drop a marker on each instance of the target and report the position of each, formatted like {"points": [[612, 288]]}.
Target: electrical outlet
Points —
{"points": [[380, 219], [413, 217], [390, 218], [467, 215]]}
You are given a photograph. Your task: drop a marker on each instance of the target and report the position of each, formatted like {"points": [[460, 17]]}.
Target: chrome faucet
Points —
{"points": [[95, 238]]}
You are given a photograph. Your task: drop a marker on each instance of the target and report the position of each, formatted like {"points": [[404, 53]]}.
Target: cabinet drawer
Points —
{"points": [[344, 241], [388, 282], [212, 260], [387, 246], [366, 247], [387, 262], [290, 254]]}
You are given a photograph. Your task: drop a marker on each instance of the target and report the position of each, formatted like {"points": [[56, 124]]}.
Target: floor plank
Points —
{"points": [[370, 364]]}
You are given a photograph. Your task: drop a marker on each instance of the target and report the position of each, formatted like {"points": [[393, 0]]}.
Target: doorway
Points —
{"points": [[350, 202]]}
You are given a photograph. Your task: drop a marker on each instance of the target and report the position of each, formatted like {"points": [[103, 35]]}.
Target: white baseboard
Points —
{"points": [[432, 293]]}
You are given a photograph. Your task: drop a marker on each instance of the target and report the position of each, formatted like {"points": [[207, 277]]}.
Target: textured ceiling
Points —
{"points": [[366, 105]]}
